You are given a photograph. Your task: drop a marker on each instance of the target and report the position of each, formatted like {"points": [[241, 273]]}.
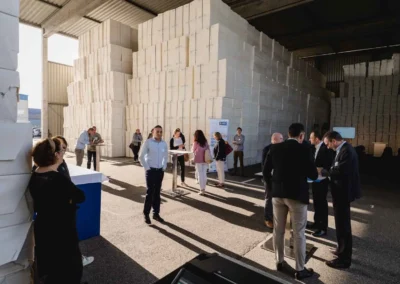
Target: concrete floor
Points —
{"points": [[230, 222]]}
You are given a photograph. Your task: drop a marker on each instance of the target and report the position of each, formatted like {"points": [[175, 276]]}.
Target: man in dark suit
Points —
{"points": [[268, 212], [345, 188], [292, 164], [323, 159]]}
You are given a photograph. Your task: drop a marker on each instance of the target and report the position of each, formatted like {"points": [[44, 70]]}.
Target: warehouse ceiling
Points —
{"points": [[308, 27]]}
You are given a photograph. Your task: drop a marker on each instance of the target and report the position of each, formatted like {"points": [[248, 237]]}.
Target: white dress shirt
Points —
{"points": [[317, 147], [154, 154]]}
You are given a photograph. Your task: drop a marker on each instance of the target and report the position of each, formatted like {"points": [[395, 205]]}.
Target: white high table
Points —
{"points": [[175, 191]]}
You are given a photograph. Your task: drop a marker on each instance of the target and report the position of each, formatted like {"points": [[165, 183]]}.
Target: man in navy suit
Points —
{"points": [[345, 188], [323, 158]]}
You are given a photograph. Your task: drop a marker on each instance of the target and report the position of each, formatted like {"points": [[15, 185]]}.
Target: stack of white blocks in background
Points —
{"points": [[99, 91], [16, 235], [370, 102], [203, 61]]}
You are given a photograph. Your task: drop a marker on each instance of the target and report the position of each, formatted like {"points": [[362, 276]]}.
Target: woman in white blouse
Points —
{"points": [[176, 143]]}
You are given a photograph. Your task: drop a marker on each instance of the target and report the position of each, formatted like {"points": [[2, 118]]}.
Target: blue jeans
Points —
{"points": [[154, 178]]}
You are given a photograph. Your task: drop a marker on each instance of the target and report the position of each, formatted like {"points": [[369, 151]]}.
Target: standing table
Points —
{"points": [[98, 156], [175, 191], [268, 244], [88, 214]]}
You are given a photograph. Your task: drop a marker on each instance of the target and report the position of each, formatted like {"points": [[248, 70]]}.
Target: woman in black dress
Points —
{"points": [[55, 200]]}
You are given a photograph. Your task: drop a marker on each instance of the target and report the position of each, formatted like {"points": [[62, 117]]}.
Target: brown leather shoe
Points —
{"points": [[269, 224]]}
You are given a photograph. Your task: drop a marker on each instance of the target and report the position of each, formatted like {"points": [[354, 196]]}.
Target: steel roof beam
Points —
{"points": [[69, 14]]}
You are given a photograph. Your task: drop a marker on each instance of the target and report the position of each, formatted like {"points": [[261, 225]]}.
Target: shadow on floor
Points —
{"points": [[111, 265], [251, 222], [284, 275], [126, 190]]}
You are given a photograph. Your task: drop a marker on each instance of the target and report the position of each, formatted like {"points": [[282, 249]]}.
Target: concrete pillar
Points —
{"points": [[45, 100]]}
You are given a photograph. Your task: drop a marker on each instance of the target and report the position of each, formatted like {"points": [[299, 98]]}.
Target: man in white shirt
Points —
{"points": [[154, 158]]}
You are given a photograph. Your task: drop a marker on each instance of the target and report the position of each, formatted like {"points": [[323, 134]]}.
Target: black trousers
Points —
{"points": [[320, 192], [268, 209], [238, 155], [90, 155], [154, 178], [135, 151], [341, 209], [181, 162]]}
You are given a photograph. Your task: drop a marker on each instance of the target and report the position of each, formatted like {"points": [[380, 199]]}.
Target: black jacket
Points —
{"points": [[263, 159], [344, 174], [219, 150], [62, 169], [171, 144], [324, 157], [292, 163]]}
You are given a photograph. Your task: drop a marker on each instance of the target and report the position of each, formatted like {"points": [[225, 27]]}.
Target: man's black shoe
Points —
{"points": [[311, 226], [147, 219], [158, 218], [305, 273], [334, 251], [338, 264], [233, 174], [319, 233], [282, 266]]}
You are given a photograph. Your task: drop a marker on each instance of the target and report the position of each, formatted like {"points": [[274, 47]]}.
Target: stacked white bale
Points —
{"points": [[98, 95], [203, 61], [16, 235], [370, 102]]}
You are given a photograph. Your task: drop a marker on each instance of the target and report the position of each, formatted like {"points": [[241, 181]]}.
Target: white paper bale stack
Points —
{"points": [[98, 95], [370, 103], [203, 61], [16, 238]]}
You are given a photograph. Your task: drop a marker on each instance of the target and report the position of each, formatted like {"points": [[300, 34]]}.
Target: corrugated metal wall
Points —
{"points": [[60, 76], [332, 65]]}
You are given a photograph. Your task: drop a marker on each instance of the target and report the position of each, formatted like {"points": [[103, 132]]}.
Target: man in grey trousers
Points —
{"points": [[292, 163], [83, 140], [238, 148]]}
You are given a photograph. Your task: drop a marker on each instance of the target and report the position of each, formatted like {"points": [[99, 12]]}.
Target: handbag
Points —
{"points": [[186, 157], [131, 146], [207, 156], [228, 149]]}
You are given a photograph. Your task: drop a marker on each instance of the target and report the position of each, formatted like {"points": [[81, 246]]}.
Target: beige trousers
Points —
{"points": [[220, 165], [79, 156], [298, 216]]}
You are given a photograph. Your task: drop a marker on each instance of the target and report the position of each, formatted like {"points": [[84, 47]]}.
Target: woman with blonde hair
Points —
{"points": [[199, 149], [55, 200], [220, 158]]}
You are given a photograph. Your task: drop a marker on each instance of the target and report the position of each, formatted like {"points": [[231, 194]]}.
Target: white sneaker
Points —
{"points": [[197, 181], [202, 192], [86, 260]]}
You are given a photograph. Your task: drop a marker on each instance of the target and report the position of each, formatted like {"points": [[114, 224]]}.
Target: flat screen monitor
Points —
{"points": [[346, 132]]}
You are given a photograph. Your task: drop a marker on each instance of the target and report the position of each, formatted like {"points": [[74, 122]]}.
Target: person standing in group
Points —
{"points": [[323, 158], [200, 146], [154, 158], [292, 164], [268, 211], [220, 158], [137, 140], [83, 140], [95, 138], [55, 200], [176, 143], [345, 188], [238, 148]]}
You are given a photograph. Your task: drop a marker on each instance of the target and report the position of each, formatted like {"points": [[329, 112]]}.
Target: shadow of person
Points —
{"points": [[111, 265]]}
